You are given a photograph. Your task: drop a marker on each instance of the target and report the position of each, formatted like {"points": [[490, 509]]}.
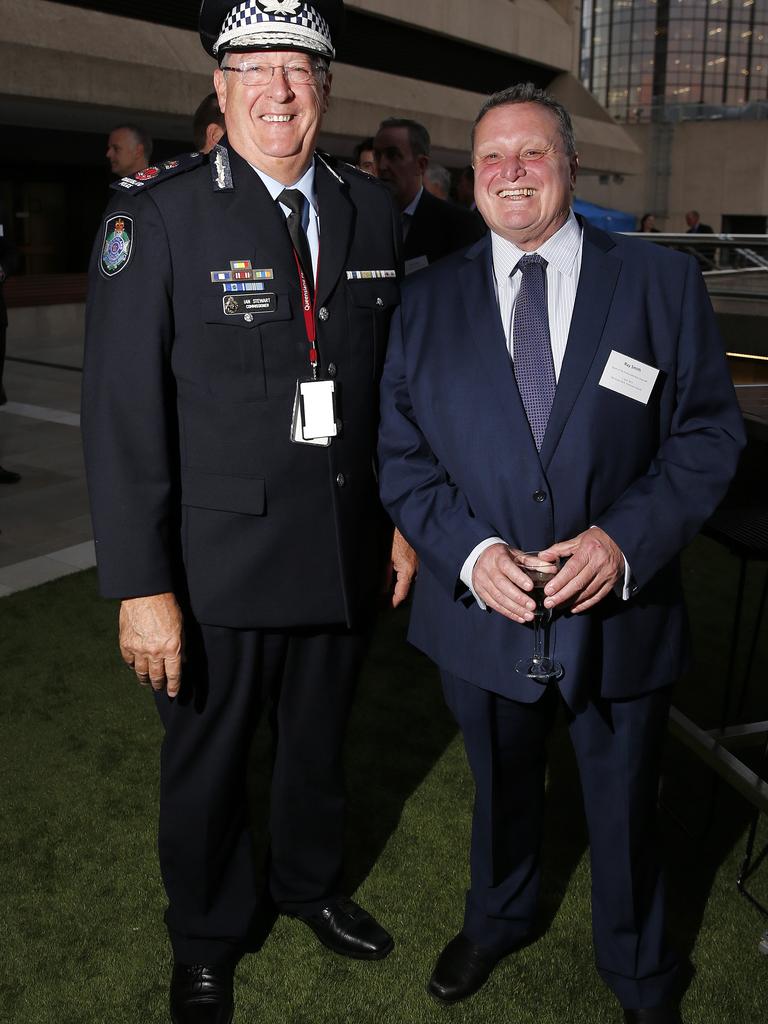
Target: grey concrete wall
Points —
{"points": [[93, 69]]}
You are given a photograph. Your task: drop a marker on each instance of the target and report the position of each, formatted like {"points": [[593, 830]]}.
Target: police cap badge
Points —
{"points": [[309, 26]]}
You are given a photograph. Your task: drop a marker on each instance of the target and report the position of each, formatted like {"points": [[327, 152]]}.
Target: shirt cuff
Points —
{"points": [[469, 566], [628, 588]]}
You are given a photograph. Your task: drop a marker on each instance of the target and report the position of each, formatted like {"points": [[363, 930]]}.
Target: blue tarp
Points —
{"points": [[602, 217]]}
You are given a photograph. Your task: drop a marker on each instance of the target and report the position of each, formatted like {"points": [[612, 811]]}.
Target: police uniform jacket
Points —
{"points": [[195, 484]]}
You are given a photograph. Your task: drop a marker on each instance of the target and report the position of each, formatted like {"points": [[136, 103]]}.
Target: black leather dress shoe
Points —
{"points": [[201, 995], [654, 1015], [461, 969], [346, 928], [7, 476]]}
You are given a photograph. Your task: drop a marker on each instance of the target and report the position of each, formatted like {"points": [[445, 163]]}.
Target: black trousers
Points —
{"points": [[618, 747], [306, 680]]}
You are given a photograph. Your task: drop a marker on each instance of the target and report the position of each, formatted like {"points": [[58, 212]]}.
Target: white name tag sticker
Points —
{"points": [[628, 376]]}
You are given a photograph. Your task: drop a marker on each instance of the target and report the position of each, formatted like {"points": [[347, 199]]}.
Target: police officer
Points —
{"points": [[237, 318]]}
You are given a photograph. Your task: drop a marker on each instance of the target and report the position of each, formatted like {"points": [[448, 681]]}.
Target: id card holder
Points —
{"points": [[314, 412]]}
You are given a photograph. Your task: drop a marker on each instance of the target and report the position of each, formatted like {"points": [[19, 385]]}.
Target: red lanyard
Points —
{"points": [[309, 306]]}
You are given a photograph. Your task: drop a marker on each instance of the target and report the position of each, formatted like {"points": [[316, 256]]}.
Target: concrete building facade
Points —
{"points": [[71, 71], [688, 80]]}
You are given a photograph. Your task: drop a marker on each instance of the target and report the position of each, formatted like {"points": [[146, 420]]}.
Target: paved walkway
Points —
{"points": [[46, 528]]}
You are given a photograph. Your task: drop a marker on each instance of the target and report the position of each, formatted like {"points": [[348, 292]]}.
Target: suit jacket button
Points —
{"points": [[332, 370], [341, 480], [539, 495], [323, 313]]}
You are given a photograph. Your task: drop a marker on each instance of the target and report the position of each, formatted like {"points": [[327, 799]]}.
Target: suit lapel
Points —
{"points": [[336, 223], [485, 329], [254, 214], [597, 281]]}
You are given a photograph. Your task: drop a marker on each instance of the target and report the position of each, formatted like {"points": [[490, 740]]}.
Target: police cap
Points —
{"points": [[309, 26]]}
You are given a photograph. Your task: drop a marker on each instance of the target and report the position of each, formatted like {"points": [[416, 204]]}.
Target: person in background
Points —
{"points": [[207, 124], [362, 156], [437, 180], [129, 150], [465, 188], [705, 254], [564, 391], [694, 225], [648, 223], [431, 228]]}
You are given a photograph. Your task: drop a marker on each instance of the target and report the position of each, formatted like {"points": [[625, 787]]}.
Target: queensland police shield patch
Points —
{"points": [[118, 244]]}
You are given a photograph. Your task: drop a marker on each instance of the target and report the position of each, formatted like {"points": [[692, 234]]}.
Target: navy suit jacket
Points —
{"points": [[458, 463]]}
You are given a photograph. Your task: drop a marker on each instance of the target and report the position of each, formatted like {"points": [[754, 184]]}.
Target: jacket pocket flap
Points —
{"points": [[243, 494], [382, 293]]}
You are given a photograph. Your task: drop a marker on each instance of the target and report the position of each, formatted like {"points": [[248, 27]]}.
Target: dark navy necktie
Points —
{"points": [[531, 345], [295, 200]]}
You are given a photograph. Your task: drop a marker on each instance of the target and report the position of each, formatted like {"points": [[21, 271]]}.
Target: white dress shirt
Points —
{"points": [[562, 251], [311, 224]]}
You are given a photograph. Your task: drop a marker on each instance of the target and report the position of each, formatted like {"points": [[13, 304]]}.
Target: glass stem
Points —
{"points": [[539, 620]]}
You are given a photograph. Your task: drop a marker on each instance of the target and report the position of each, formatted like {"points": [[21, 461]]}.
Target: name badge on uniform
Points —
{"points": [[314, 412], [628, 376], [247, 305]]}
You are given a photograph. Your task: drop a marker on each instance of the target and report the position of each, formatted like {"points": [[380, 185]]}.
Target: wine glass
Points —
{"points": [[539, 666]]}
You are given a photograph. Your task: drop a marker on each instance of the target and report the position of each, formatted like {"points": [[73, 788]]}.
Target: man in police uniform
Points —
{"points": [[238, 313]]}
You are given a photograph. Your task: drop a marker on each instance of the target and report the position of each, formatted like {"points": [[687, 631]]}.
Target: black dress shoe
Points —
{"points": [[201, 995], [346, 928], [7, 476], [461, 969], [654, 1015]]}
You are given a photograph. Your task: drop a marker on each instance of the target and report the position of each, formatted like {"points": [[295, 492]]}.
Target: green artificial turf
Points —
{"points": [[81, 933]]}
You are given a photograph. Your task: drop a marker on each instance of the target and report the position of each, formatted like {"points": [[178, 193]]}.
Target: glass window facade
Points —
{"points": [[689, 58]]}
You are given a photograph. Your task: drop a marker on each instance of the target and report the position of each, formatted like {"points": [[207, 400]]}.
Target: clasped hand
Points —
{"points": [[594, 564]]}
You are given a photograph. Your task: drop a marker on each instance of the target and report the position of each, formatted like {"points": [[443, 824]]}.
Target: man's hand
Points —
{"points": [[502, 584], [594, 566], [151, 640], [405, 565]]}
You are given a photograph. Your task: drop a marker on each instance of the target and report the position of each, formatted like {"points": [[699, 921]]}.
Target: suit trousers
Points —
{"points": [[618, 747], [306, 680]]}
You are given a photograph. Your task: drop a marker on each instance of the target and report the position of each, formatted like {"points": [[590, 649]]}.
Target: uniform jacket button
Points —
{"points": [[379, 301], [539, 495], [341, 480], [323, 313], [332, 370]]}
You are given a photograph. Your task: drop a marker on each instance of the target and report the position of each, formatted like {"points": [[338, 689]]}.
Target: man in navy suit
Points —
{"points": [[557, 389]]}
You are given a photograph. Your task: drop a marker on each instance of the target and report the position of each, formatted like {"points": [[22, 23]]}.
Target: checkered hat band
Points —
{"points": [[248, 24]]}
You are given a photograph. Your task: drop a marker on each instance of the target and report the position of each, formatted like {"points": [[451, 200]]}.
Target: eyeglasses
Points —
{"points": [[262, 74]]}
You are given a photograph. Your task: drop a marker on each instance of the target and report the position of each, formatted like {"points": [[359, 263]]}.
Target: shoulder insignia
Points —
{"points": [[221, 172], [328, 161], [159, 172], [117, 247]]}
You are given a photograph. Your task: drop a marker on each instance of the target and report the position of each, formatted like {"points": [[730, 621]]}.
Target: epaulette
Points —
{"points": [[160, 172], [330, 162]]}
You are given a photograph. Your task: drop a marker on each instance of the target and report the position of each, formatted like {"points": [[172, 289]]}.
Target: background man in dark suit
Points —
{"points": [[705, 254], [207, 124], [229, 415], [607, 438], [432, 228]]}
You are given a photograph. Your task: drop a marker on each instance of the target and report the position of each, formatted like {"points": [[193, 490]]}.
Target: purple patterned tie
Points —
{"points": [[531, 346]]}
